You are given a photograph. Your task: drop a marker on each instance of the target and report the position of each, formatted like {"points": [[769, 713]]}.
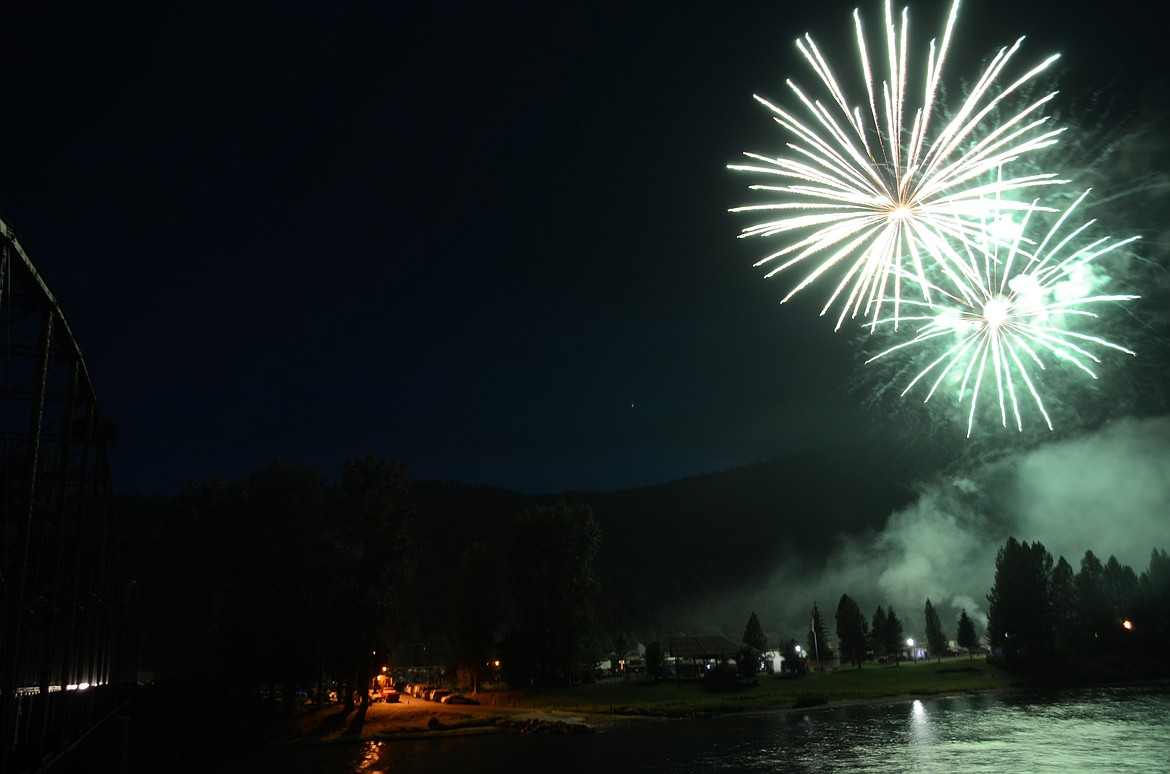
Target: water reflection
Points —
{"points": [[370, 754], [1089, 730], [922, 738]]}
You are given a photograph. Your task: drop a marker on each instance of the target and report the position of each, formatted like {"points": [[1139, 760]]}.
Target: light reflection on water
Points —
{"points": [[371, 753], [1102, 729]]}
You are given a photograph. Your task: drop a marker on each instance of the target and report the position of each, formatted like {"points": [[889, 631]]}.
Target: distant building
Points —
{"points": [[694, 656]]}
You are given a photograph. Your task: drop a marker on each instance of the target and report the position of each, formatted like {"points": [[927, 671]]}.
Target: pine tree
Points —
{"points": [[936, 638], [1154, 587], [1092, 605], [852, 630], [877, 633], [655, 659], [550, 573], [475, 605], [1063, 596], [1019, 612], [753, 634], [1121, 585], [966, 636], [895, 636]]}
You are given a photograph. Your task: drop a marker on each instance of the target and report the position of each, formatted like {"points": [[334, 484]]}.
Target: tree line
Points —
{"points": [[285, 580], [284, 583], [541, 620], [1039, 609], [883, 637], [275, 581]]}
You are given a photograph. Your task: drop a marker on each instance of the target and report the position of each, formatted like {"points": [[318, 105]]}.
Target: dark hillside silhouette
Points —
{"points": [[726, 528]]}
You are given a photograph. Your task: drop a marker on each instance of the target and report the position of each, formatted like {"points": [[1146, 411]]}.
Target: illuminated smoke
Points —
{"points": [[1018, 310]]}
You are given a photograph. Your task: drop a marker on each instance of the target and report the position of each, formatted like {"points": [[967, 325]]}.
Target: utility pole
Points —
{"points": [[812, 625]]}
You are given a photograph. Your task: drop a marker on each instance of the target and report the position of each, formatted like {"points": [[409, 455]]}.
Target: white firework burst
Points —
{"points": [[878, 194], [1019, 305]]}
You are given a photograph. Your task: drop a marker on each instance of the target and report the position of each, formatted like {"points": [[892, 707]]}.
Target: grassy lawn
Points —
{"points": [[669, 697]]}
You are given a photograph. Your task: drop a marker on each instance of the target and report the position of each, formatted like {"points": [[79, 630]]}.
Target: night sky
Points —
{"points": [[488, 240]]}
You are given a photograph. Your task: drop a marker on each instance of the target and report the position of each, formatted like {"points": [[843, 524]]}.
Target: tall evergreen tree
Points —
{"points": [[655, 659], [370, 520], [966, 635], [286, 505], [550, 570], [1154, 588], [877, 633], [753, 634], [1019, 613], [1093, 612], [1120, 585], [475, 613], [201, 634], [1063, 595], [936, 638], [895, 636], [852, 631]]}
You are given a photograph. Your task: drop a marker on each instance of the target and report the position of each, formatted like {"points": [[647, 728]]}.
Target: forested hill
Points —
{"points": [[706, 533], [203, 561]]}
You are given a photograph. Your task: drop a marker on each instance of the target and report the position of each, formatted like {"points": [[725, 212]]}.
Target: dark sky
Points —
{"points": [[487, 240]]}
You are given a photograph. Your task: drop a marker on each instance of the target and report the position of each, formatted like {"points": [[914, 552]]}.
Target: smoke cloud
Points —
{"points": [[1107, 491]]}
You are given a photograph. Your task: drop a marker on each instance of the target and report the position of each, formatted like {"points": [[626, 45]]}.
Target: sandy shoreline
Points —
{"points": [[413, 718]]}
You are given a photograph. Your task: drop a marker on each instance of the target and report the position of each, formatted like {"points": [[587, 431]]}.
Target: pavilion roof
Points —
{"points": [[712, 646]]}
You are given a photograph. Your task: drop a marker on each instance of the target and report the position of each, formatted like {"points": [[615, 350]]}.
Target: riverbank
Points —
{"points": [[592, 707], [586, 708], [1094, 728], [396, 722], [191, 728], [413, 718]]}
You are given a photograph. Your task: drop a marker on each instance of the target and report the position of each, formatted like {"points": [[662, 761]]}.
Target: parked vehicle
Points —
{"points": [[458, 698]]}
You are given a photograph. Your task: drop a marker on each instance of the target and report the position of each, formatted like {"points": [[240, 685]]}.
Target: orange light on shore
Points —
{"points": [[1127, 625]]}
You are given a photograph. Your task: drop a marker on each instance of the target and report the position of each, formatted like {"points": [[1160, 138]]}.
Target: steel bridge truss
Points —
{"points": [[64, 663]]}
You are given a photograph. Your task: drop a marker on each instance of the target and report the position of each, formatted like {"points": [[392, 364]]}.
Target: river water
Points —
{"points": [[1097, 729]]}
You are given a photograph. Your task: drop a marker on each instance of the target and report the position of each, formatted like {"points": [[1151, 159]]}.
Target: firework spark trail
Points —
{"points": [[883, 208], [1005, 318]]}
